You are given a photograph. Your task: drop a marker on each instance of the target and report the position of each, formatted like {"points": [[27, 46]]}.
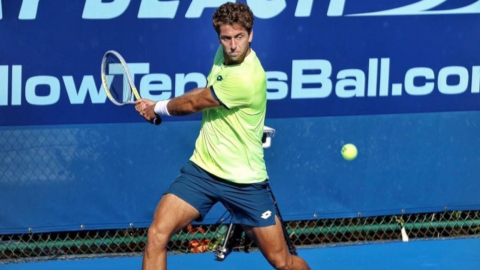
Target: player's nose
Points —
{"points": [[233, 45]]}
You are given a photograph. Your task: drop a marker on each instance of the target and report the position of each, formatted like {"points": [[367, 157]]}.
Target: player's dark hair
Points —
{"points": [[231, 13]]}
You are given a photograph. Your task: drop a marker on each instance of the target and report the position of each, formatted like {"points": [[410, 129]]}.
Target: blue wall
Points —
{"points": [[399, 79]]}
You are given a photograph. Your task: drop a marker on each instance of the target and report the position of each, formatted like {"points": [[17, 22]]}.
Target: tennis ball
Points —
{"points": [[349, 151]]}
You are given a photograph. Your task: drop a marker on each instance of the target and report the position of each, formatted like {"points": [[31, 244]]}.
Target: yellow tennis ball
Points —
{"points": [[349, 151]]}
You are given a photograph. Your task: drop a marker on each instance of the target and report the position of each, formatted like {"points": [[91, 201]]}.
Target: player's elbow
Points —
{"points": [[196, 107], [198, 104]]}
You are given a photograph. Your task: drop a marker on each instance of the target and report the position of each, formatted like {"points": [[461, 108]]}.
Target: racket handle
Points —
{"points": [[157, 121]]}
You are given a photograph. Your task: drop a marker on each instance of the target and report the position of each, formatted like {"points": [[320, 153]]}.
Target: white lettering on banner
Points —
{"points": [[265, 9], [158, 9], [277, 81], [152, 86], [31, 86], [336, 8], [138, 68], [3, 84], [384, 76], [196, 8], [354, 79], [421, 7], [151, 9], [445, 88], [476, 79], [310, 79], [159, 86], [299, 79], [78, 96], [372, 77], [181, 80], [304, 8], [16, 85], [418, 72], [29, 10], [96, 9], [152, 83]]}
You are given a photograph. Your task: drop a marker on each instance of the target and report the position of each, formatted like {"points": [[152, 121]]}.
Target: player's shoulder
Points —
{"points": [[218, 60], [252, 64], [255, 67]]}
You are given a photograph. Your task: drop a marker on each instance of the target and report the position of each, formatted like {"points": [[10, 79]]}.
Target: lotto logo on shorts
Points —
{"points": [[267, 214]]}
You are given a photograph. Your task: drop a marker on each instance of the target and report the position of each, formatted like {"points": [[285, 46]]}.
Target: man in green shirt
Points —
{"points": [[227, 164]]}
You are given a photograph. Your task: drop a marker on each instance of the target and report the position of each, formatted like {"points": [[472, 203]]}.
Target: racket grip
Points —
{"points": [[157, 121]]}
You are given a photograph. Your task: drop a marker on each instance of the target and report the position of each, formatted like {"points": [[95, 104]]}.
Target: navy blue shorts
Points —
{"points": [[249, 204]]}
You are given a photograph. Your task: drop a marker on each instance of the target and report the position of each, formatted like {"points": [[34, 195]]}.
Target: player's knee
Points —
{"points": [[279, 261], [157, 238]]}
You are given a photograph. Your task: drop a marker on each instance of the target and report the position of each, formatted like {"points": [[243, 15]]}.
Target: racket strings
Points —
{"points": [[117, 80]]}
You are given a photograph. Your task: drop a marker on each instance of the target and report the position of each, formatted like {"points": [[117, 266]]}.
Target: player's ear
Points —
{"points": [[250, 36]]}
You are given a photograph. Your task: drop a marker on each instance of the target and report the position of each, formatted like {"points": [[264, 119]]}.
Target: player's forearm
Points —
{"points": [[183, 105], [191, 102]]}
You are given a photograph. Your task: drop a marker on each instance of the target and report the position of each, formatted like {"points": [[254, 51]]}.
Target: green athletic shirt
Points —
{"points": [[229, 145]]}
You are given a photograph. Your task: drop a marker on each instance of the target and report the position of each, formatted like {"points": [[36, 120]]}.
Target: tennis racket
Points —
{"points": [[117, 81], [234, 234], [291, 247]]}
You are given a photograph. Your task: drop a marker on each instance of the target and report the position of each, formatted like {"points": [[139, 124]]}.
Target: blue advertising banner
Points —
{"points": [[323, 58], [400, 79]]}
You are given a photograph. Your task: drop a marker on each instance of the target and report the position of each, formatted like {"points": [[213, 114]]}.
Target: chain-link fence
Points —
{"points": [[206, 238], [44, 155]]}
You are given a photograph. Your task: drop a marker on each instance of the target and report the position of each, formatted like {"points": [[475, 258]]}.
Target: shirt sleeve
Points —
{"points": [[233, 91]]}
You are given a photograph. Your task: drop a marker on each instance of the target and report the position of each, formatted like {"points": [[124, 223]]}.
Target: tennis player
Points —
{"points": [[227, 164]]}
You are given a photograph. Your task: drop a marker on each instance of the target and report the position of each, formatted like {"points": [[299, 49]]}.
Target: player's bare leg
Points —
{"points": [[171, 215], [271, 243]]}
